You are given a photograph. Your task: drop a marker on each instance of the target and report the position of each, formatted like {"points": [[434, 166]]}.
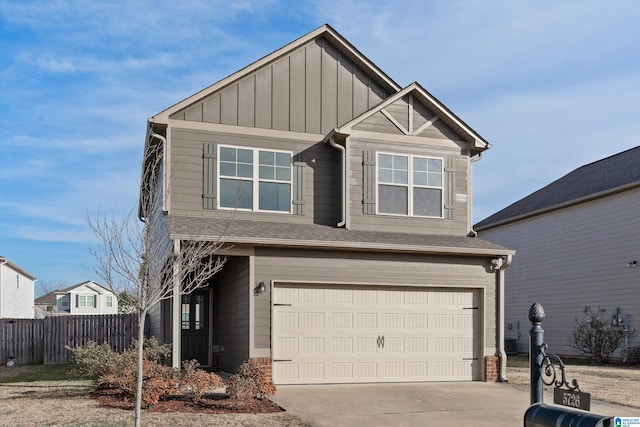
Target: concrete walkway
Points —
{"points": [[475, 404]]}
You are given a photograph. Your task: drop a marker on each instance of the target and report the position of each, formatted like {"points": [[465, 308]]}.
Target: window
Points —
{"points": [[253, 179], [409, 185], [185, 312], [108, 302], [86, 301]]}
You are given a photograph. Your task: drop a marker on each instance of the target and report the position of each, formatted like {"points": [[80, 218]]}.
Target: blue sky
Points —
{"points": [[551, 85]]}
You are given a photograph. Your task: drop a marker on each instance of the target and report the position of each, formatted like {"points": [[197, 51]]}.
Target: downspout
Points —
{"points": [[499, 265], [343, 168]]}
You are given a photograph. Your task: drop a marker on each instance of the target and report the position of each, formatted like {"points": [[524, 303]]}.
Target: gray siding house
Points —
{"points": [[578, 246], [345, 203]]}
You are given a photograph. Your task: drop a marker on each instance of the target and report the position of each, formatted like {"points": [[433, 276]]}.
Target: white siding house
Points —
{"points": [[83, 298], [578, 247], [16, 291]]}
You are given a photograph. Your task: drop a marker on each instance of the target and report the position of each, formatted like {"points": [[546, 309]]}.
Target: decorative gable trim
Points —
{"points": [[415, 93]]}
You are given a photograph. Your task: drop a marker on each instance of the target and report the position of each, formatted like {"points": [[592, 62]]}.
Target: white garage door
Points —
{"points": [[340, 334]]}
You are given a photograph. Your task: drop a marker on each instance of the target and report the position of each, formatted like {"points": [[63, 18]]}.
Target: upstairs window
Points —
{"points": [[255, 179], [108, 302], [409, 185]]}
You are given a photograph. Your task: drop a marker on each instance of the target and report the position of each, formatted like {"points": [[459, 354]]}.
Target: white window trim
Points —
{"points": [[86, 302], [410, 186], [255, 179]]}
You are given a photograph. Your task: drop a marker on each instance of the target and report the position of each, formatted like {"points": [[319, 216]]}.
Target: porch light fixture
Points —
{"points": [[632, 264], [260, 288]]}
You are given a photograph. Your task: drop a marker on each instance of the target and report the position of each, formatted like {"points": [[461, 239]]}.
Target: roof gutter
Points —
{"points": [[499, 265]]}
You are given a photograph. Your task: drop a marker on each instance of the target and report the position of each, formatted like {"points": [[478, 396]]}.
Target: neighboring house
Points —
{"points": [[17, 287], [578, 246], [87, 297], [346, 202]]}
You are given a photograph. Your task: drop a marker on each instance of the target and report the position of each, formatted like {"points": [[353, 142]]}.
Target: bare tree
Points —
{"points": [[44, 287], [132, 257]]}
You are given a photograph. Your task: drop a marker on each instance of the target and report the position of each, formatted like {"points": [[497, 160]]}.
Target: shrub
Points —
{"points": [[158, 382], [194, 383], [595, 335], [94, 360], [249, 382], [632, 356]]}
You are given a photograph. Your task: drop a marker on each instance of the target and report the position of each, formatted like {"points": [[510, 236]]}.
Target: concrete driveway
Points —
{"points": [[475, 404]]}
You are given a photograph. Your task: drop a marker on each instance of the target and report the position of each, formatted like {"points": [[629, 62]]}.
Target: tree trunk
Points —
{"points": [[142, 315]]}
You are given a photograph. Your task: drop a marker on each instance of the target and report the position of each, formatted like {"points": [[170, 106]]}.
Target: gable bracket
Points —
{"points": [[426, 125], [394, 121]]}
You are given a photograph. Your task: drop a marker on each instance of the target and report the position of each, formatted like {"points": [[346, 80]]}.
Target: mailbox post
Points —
{"points": [[543, 372], [536, 316]]}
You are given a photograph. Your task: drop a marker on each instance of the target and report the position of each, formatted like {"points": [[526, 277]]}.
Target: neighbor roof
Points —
{"points": [[262, 233], [609, 175], [17, 268]]}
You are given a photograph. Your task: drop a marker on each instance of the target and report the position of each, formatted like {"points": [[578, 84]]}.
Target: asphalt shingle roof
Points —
{"points": [[321, 236], [608, 174]]}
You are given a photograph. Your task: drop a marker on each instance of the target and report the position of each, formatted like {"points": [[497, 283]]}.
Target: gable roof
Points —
{"points": [[17, 268], [325, 31], [603, 177], [325, 237], [89, 283], [431, 102]]}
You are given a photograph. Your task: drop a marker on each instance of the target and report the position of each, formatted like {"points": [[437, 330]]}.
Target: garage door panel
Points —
{"points": [[326, 334]]}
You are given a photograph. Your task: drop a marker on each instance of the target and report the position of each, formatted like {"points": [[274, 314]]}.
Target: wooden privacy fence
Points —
{"points": [[44, 340]]}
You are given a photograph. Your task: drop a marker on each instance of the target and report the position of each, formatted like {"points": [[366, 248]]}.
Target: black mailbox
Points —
{"points": [[541, 415]]}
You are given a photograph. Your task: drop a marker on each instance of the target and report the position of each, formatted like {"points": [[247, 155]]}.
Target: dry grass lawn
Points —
{"points": [[607, 383], [40, 395], [44, 396]]}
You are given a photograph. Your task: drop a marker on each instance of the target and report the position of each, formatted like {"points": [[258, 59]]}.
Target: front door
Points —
{"points": [[195, 327]]}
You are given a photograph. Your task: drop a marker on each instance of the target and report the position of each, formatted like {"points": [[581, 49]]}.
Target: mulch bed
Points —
{"points": [[209, 404]]}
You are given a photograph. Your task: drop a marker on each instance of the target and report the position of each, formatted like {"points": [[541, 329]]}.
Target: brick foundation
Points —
{"points": [[492, 369], [215, 361], [266, 364]]}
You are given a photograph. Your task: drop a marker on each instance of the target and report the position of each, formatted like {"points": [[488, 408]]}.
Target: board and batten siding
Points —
{"points": [[363, 268], [231, 312], [568, 259], [362, 155], [315, 160], [314, 89]]}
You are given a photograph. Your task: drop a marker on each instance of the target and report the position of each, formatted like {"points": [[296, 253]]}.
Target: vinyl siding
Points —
{"points": [[372, 269], [455, 222], [231, 312], [163, 246], [16, 294], [321, 192], [569, 259], [313, 89]]}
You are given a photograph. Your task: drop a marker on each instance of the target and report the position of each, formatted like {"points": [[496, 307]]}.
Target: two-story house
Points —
{"points": [[578, 248], [17, 288], [83, 298], [345, 201]]}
